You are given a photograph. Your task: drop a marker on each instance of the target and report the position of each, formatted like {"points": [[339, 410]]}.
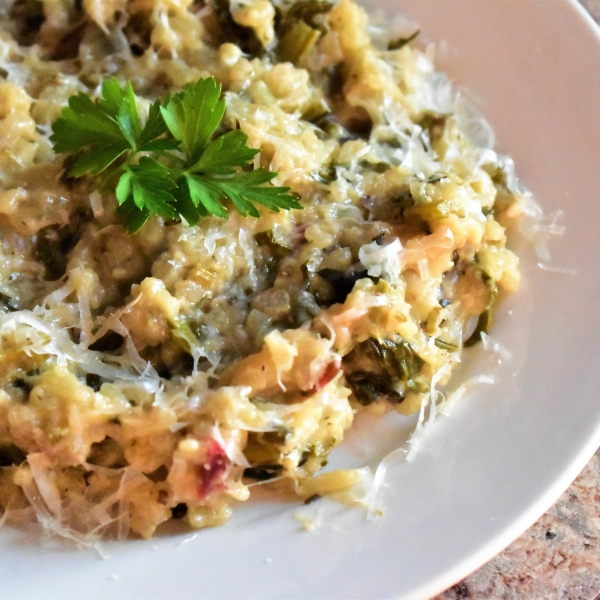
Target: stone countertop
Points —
{"points": [[559, 556], [593, 7]]}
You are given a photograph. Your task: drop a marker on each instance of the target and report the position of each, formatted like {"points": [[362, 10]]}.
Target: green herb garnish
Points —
{"points": [[171, 166]]}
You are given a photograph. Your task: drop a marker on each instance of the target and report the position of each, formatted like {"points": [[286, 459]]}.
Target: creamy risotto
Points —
{"points": [[156, 375]]}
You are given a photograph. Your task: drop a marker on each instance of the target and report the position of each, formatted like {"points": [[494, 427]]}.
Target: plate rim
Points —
{"points": [[536, 508], [521, 525]]}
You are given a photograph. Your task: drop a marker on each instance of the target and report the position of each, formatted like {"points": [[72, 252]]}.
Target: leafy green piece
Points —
{"points": [[87, 129], [370, 387], [83, 124], [147, 186], [152, 187], [112, 96], [391, 363], [134, 217], [155, 127], [193, 115], [397, 359], [246, 188], [203, 195], [377, 167], [100, 133], [223, 154], [97, 161], [184, 171]]}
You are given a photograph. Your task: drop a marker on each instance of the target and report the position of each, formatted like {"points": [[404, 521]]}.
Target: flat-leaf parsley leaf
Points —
{"points": [[172, 166]]}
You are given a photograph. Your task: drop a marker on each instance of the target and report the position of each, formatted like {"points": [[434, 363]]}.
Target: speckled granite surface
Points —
{"points": [[593, 7], [559, 557]]}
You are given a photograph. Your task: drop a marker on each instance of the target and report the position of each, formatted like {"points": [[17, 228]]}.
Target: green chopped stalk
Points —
{"points": [[297, 41], [443, 345], [308, 11]]}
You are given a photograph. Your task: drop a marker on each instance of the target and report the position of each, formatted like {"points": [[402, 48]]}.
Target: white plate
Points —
{"points": [[486, 472]]}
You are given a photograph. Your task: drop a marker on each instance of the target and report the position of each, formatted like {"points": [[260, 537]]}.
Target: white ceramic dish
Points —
{"points": [[487, 471]]}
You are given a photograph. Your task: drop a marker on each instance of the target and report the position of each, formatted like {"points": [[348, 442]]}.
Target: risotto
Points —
{"points": [[155, 375]]}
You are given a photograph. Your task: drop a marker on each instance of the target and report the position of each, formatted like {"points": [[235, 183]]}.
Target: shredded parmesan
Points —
{"points": [[166, 374]]}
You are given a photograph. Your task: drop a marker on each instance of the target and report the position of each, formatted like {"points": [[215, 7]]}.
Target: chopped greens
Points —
{"points": [[342, 282], [184, 171], [398, 359], [443, 345], [307, 11], [394, 366], [401, 42], [325, 175], [296, 41], [241, 36], [484, 322], [300, 28], [370, 387]]}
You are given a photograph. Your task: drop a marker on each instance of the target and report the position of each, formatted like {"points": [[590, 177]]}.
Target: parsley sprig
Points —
{"points": [[172, 165]]}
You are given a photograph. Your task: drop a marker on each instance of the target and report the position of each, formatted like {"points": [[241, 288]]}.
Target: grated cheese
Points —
{"points": [[168, 372]]}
